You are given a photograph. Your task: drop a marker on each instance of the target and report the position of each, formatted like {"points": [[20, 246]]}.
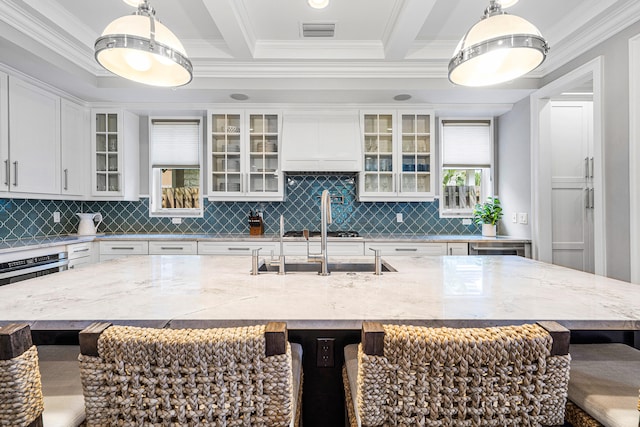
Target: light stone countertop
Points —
{"points": [[198, 291], [12, 246]]}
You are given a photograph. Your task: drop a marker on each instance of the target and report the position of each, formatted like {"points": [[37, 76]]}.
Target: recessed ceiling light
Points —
{"points": [[239, 96], [318, 4], [402, 97]]}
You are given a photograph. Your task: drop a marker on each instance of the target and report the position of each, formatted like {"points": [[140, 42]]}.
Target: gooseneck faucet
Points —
{"points": [[325, 220]]}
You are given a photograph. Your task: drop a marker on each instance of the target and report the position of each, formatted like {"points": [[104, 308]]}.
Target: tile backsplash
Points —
{"points": [[20, 218]]}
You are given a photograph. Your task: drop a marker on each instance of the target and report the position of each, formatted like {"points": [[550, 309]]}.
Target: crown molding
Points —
{"points": [[601, 28], [42, 32]]}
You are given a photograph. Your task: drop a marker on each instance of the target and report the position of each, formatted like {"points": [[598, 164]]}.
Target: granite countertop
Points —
{"points": [[198, 291]]}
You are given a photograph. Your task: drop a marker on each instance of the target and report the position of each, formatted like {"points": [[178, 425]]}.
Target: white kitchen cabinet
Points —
{"points": [[169, 247], [243, 156], [74, 131], [122, 248], [319, 140], [457, 248], [115, 154], [81, 254], [33, 161], [333, 248], [237, 248], [398, 157], [4, 131], [407, 249]]}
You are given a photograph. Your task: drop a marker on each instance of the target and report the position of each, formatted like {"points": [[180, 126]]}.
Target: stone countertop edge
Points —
{"points": [[44, 242]]}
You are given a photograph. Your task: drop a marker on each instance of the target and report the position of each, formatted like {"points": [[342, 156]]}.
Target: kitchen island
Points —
{"points": [[210, 291], [181, 291]]}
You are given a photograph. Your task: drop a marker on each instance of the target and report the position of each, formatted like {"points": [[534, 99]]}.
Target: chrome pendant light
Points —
{"points": [[140, 48], [499, 48]]}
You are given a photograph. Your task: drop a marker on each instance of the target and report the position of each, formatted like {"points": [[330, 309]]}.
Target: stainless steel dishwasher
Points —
{"points": [[522, 249]]}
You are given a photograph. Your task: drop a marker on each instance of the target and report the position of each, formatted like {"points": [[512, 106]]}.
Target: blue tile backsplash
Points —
{"points": [[21, 219]]}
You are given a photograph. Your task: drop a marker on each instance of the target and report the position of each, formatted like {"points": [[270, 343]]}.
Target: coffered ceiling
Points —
{"points": [[381, 48]]}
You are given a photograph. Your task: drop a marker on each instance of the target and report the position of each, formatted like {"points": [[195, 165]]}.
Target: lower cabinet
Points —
{"points": [[458, 248], [237, 248], [173, 248], [81, 254], [121, 248], [407, 249]]}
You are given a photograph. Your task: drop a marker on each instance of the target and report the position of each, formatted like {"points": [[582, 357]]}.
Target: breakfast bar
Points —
{"points": [[185, 291]]}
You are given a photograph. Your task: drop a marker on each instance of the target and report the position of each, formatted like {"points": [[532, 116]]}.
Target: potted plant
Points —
{"points": [[488, 214]]}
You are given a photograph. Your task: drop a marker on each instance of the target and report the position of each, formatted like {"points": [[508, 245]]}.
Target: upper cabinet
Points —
{"points": [[32, 156], [74, 133], [318, 140], [398, 161], [243, 156], [115, 154]]}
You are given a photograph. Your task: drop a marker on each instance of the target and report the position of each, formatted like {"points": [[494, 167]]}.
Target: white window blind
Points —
{"points": [[175, 143], [466, 143]]}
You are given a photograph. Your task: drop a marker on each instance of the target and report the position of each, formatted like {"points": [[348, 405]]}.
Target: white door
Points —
{"points": [[572, 196], [34, 139]]}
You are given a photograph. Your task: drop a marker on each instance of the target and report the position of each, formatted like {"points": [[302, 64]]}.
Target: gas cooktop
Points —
{"points": [[299, 233]]}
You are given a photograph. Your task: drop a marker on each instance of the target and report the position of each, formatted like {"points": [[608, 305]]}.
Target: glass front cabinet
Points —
{"points": [[243, 151], [115, 159], [398, 157]]}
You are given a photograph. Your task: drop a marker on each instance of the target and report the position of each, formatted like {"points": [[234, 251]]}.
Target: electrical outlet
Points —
{"points": [[466, 221], [514, 217], [325, 357], [176, 220], [523, 218], [56, 217], [399, 217]]}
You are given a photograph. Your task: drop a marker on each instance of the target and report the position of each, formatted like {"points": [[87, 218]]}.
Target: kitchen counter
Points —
{"points": [[197, 291]]}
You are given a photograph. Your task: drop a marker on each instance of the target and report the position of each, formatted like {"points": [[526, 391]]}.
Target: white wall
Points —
{"points": [[514, 168]]}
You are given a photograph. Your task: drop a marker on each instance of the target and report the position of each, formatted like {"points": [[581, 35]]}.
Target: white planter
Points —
{"points": [[489, 230]]}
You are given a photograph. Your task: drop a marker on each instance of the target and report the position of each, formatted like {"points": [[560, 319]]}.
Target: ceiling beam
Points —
{"points": [[401, 32], [232, 20]]}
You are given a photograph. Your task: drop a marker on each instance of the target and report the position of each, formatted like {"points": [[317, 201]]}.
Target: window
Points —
{"points": [[175, 162], [466, 148]]}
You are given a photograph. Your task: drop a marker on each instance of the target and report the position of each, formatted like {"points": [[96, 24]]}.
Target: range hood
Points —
{"points": [[321, 141]]}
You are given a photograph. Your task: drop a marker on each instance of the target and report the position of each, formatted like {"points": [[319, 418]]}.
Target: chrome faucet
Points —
{"points": [[325, 220], [279, 260]]}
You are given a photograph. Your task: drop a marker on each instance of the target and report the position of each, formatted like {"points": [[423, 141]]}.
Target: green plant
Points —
{"points": [[489, 212]]}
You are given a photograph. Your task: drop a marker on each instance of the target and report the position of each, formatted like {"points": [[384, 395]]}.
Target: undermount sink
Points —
{"points": [[334, 267]]}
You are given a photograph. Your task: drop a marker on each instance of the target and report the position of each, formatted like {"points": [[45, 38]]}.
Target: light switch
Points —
{"points": [[466, 221], [399, 217], [176, 220], [523, 218], [56, 217]]}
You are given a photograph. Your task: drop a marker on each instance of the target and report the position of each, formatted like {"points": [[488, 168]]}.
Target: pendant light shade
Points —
{"points": [[140, 48], [499, 48]]}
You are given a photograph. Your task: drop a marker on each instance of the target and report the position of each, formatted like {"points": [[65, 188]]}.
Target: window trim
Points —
{"points": [[155, 194], [488, 178]]}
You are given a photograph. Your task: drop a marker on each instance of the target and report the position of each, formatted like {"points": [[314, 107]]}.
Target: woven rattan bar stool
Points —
{"points": [[38, 385], [249, 376], [500, 376], [604, 386]]}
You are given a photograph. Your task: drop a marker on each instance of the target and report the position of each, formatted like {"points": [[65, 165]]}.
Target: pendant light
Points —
{"points": [[499, 48], [140, 48]]}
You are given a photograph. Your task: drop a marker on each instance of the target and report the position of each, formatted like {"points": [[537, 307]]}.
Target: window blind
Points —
{"points": [[175, 143], [466, 143]]}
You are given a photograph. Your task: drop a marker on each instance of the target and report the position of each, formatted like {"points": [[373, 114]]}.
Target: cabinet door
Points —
{"points": [[415, 158], [107, 153], [34, 139], [168, 247], [378, 178], [75, 145], [123, 248], [4, 132], [458, 248], [264, 174]]}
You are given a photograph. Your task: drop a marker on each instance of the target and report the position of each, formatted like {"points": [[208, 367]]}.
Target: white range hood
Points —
{"points": [[321, 141]]}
